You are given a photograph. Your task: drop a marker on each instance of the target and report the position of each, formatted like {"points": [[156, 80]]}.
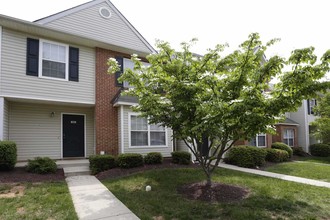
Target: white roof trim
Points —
{"points": [[125, 103], [59, 15]]}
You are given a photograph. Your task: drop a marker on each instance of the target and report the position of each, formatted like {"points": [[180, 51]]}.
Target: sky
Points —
{"points": [[299, 23]]}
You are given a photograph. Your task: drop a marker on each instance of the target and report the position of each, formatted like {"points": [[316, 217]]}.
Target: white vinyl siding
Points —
{"points": [[36, 133], [164, 150], [90, 24], [6, 120], [15, 83]]}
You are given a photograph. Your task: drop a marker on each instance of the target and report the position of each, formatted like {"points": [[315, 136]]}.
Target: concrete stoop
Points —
{"points": [[74, 167]]}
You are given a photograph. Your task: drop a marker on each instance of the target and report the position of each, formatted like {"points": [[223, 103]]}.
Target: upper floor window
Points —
{"points": [[125, 63], [288, 137], [47, 59], [311, 103], [258, 141], [54, 60], [143, 134]]}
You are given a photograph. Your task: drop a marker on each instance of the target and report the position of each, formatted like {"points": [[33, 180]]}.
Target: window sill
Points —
{"points": [[53, 78]]}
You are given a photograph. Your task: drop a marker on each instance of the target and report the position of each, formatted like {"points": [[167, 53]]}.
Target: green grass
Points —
{"points": [[313, 159], [309, 170], [40, 201], [269, 198]]}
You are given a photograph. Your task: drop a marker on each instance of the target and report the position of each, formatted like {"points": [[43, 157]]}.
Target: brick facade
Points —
{"points": [[106, 116]]}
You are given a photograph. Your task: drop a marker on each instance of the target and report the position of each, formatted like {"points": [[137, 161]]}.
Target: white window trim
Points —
{"points": [[285, 132], [311, 105], [147, 146], [41, 41], [257, 143]]}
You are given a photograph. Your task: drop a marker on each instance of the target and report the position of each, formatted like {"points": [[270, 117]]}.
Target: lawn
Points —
{"points": [[269, 198], [312, 170], [313, 159], [39, 201]]}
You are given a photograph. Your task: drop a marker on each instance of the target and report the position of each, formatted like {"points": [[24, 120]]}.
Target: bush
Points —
{"points": [[130, 160], [41, 165], [153, 158], [282, 146], [320, 150], [298, 151], [276, 155], [99, 163], [181, 157], [8, 155], [246, 156]]}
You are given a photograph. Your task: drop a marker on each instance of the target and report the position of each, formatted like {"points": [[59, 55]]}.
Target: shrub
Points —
{"points": [[8, 155], [130, 160], [41, 165], [276, 155], [298, 151], [153, 158], [282, 146], [320, 150], [246, 156], [99, 163], [181, 157]]}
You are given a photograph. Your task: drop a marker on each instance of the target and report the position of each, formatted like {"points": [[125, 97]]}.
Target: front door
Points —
{"points": [[73, 135]]}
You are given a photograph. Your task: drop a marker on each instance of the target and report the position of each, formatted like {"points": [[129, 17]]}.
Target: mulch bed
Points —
{"points": [[218, 192], [19, 175]]}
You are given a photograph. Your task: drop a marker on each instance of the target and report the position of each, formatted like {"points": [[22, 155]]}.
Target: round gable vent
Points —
{"points": [[105, 12]]}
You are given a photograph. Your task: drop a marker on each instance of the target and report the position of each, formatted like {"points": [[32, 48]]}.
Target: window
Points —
{"points": [[311, 103], [288, 137], [125, 63], [258, 141], [53, 60], [144, 134]]}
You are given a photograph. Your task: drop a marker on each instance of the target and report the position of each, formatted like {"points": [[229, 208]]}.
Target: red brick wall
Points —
{"points": [[106, 116]]}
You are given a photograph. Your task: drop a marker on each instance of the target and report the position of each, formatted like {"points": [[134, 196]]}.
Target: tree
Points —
{"points": [[221, 98], [321, 125]]}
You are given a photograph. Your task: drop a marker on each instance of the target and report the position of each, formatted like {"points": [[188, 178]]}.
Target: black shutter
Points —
{"points": [[73, 64], [32, 57], [120, 61], [308, 107]]}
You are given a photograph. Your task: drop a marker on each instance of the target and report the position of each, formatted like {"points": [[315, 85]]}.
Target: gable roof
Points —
{"points": [[85, 20]]}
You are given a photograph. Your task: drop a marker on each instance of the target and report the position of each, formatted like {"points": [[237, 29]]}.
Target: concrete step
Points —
{"points": [[76, 171], [72, 163]]}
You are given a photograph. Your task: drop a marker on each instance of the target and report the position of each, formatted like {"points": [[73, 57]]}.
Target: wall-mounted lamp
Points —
{"points": [[52, 114]]}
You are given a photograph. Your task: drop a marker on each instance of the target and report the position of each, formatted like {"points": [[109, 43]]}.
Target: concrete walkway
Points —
{"points": [[277, 175], [92, 200]]}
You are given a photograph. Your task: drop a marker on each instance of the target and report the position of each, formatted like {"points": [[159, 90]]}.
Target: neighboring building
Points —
{"points": [[294, 131], [56, 98]]}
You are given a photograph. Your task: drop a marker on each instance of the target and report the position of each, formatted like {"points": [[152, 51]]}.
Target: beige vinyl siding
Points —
{"points": [[165, 151], [15, 83], [36, 133], [6, 120], [181, 146], [90, 24]]}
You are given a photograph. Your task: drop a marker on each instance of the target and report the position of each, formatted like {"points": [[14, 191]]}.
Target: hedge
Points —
{"points": [[99, 163], [181, 157], [298, 151], [130, 160], [153, 158], [41, 165], [320, 150], [282, 146], [8, 155], [246, 156], [276, 155]]}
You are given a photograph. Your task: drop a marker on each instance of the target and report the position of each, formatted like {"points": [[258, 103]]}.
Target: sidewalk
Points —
{"points": [[92, 200], [277, 175]]}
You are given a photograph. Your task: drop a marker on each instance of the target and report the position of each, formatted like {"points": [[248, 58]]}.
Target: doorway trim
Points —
{"points": [[64, 113]]}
